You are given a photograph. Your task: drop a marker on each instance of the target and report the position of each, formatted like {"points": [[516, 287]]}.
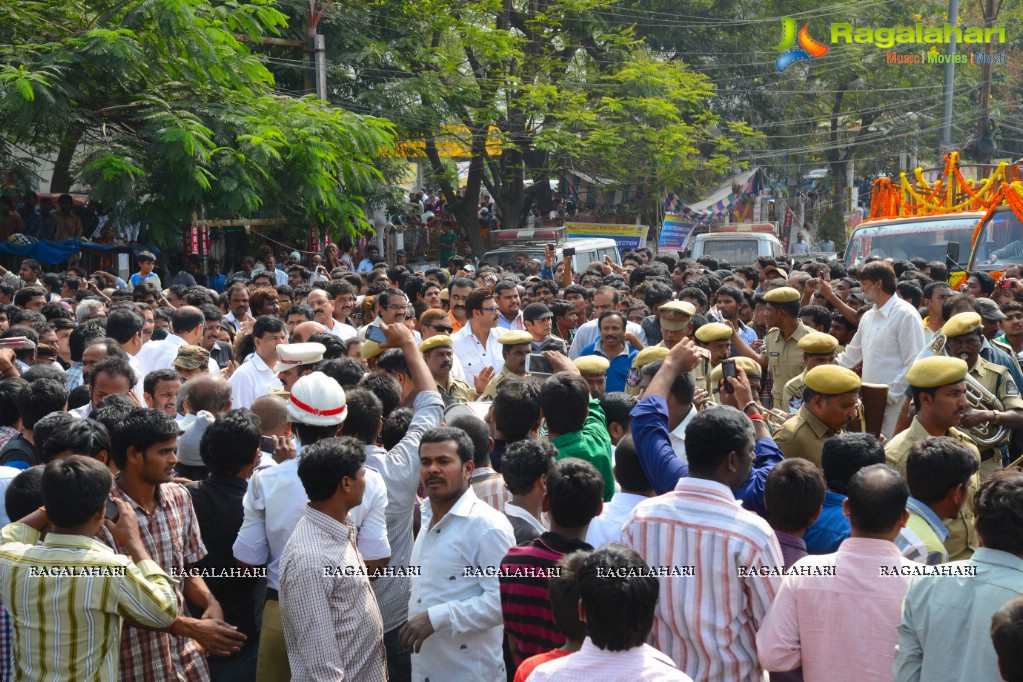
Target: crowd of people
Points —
{"points": [[655, 470]]}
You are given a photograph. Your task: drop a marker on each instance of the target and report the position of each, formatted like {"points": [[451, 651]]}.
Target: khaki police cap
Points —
{"points": [[818, 343], [439, 341], [649, 355], [714, 331], [444, 294], [592, 365], [832, 380], [514, 338], [935, 371], [675, 315], [782, 295], [750, 367], [961, 324], [371, 349]]}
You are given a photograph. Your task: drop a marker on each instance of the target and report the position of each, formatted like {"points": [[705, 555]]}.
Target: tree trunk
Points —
{"points": [[62, 177]]}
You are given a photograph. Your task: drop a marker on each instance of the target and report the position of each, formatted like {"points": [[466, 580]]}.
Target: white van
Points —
{"points": [[587, 250], [738, 248]]}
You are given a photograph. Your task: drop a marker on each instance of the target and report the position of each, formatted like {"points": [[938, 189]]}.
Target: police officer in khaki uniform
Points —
{"points": [[818, 349], [830, 399], [964, 340], [641, 360], [712, 343], [516, 345], [674, 317], [439, 356], [594, 370], [782, 356], [939, 398]]}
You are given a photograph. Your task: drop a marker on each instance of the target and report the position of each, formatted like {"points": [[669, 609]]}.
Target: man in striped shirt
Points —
{"points": [[67, 596], [710, 555], [574, 497]]}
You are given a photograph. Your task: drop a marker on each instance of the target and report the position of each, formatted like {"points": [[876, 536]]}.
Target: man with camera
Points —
{"points": [[72, 571]]}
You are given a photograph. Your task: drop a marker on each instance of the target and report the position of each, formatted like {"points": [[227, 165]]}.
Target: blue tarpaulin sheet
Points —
{"points": [[52, 253]]}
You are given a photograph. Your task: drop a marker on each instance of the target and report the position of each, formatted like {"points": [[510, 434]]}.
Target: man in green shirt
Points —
{"points": [[576, 424]]}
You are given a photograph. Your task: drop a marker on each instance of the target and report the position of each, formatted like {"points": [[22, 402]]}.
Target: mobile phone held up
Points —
{"points": [[375, 333], [110, 511], [728, 370], [568, 251], [538, 365], [267, 444]]}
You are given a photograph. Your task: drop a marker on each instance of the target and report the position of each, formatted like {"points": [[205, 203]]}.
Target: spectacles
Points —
{"points": [[492, 309], [446, 330], [395, 307]]}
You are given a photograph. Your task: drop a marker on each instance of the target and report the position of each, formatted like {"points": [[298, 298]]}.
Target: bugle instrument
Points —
{"points": [[987, 434]]}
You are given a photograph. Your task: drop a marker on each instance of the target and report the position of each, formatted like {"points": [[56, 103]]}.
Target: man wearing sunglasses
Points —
{"points": [[476, 343]]}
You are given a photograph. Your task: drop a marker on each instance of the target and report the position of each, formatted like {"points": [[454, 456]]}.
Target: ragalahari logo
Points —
{"points": [[808, 47]]}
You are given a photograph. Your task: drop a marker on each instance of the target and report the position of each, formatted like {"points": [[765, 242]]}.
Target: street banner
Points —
{"points": [[675, 233], [628, 237]]}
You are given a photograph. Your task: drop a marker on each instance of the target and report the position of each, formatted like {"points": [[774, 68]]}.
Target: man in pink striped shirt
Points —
{"points": [[857, 591], [718, 563]]}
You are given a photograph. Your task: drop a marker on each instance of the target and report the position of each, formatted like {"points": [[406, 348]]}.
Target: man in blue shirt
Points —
{"points": [[613, 344], [843, 455], [651, 435]]}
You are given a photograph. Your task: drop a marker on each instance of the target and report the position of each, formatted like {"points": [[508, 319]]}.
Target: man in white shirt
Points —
{"points": [[238, 302], [476, 343], [322, 304], [611, 652], [187, 327], [276, 501], [256, 374], [888, 340], [635, 487], [455, 626], [605, 299]]}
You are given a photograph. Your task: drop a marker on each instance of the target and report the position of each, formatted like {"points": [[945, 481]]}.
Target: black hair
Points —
{"points": [[112, 410], [933, 286], [1006, 636], [683, 388], [365, 410], [9, 389], [81, 436], [619, 609], [845, 454], [25, 294], [563, 591], [144, 290], [939, 271], [267, 324], [516, 408], [882, 272], [998, 507], [627, 469], [936, 465], [565, 400], [819, 315], [229, 444], [575, 490], [142, 429], [524, 462], [395, 427], [910, 292], [24, 494], [40, 398], [113, 366], [300, 309], [479, 434], [55, 310], [311, 433], [443, 434], [185, 319], [695, 293], [617, 407], [333, 346], [345, 371], [383, 386], [714, 434], [74, 490], [986, 282], [877, 499], [326, 463], [393, 362], [156, 376], [793, 494]]}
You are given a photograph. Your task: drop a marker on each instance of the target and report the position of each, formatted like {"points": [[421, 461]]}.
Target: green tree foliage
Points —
{"points": [[160, 109], [567, 88]]}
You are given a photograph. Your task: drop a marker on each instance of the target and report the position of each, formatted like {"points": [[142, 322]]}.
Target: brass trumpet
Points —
{"points": [[988, 434]]}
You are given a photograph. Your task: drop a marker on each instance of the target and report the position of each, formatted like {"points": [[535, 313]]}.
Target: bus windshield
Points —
{"points": [[924, 238], [999, 243]]}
